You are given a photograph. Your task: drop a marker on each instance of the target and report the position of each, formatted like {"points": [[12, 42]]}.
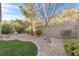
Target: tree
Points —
{"points": [[28, 13], [46, 12]]}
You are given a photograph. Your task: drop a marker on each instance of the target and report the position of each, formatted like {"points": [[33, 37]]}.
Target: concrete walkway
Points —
{"points": [[53, 49]]}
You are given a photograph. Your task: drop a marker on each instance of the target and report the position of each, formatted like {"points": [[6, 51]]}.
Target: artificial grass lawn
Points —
{"points": [[71, 47], [17, 48]]}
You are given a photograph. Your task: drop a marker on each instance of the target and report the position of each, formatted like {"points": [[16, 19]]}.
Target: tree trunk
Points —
{"points": [[46, 33], [32, 27]]}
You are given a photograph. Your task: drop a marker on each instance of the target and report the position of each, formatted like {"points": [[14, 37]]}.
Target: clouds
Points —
{"points": [[11, 11], [6, 8]]}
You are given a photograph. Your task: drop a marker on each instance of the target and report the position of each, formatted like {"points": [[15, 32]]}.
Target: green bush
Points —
{"points": [[66, 33], [71, 48], [29, 31], [38, 32], [7, 29], [19, 28]]}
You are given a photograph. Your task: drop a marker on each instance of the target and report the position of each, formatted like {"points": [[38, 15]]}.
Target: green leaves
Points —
{"points": [[7, 29], [71, 47]]}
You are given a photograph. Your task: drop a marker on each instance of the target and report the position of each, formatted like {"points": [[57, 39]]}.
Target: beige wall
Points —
{"points": [[55, 30]]}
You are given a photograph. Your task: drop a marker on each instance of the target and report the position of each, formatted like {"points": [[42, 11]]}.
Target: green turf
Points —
{"points": [[17, 48]]}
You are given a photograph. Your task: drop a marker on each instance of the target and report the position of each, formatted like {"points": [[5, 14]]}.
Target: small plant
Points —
{"points": [[66, 33], [38, 32], [29, 31]]}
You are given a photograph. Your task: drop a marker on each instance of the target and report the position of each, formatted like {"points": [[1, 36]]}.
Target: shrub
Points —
{"points": [[71, 48], [66, 33], [29, 31], [19, 28], [7, 28], [38, 32], [39, 29]]}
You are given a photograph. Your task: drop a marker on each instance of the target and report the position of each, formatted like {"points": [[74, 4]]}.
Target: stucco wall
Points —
{"points": [[55, 30]]}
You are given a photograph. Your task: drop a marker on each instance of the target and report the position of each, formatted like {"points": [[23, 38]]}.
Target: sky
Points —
{"points": [[12, 11]]}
